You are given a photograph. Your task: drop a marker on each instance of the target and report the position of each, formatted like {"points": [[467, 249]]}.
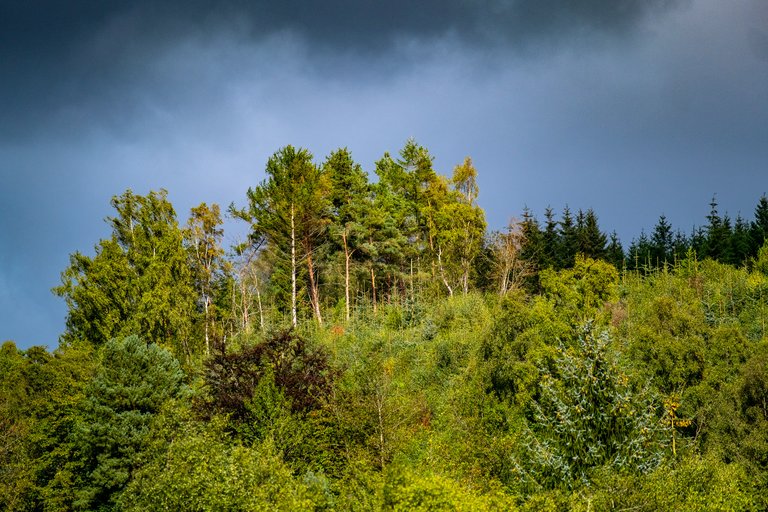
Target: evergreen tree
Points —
{"points": [[741, 241], [759, 226], [533, 249], [640, 253], [614, 253], [718, 243], [290, 210], [349, 202], [591, 240], [680, 245], [134, 382], [661, 250], [569, 240], [551, 240]]}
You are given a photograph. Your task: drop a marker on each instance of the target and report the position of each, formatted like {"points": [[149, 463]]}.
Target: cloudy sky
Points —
{"points": [[632, 107]]}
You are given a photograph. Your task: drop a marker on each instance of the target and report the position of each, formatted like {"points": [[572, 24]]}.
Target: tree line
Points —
{"points": [[370, 346], [326, 241]]}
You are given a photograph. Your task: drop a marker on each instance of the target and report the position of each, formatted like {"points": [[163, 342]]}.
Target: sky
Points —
{"points": [[634, 108]]}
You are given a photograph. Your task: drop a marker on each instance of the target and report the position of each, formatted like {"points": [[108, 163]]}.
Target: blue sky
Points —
{"points": [[633, 108]]}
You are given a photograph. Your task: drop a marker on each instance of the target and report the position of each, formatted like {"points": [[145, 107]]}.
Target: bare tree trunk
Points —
{"points": [[373, 288], [314, 293], [294, 320], [347, 256], [442, 272], [207, 342]]}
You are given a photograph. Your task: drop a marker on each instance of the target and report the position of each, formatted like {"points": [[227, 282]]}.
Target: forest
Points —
{"points": [[371, 345]]}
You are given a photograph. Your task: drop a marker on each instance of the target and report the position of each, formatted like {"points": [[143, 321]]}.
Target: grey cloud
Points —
{"points": [[65, 59]]}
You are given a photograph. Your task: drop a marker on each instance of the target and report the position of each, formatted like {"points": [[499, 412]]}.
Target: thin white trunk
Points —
{"points": [[347, 256], [442, 272], [294, 320], [373, 288], [314, 293], [207, 342]]}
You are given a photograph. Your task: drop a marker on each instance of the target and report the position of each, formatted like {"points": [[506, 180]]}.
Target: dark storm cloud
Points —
{"points": [[63, 60]]}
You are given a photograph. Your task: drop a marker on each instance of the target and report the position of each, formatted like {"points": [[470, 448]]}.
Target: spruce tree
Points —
{"points": [[759, 226], [661, 249], [569, 240]]}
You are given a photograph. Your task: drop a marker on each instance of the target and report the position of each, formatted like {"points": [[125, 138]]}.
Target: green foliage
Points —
{"points": [[139, 281], [133, 383], [396, 397], [201, 471], [589, 415], [692, 485], [405, 491], [581, 293]]}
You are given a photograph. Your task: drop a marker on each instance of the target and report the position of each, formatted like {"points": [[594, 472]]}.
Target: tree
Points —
{"points": [[614, 253], [591, 241], [456, 225], [139, 281], [533, 249], [589, 415], [203, 238], [290, 209], [718, 231], [569, 237], [349, 201], [759, 226], [661, 248], [510, 268], [551, 239], [134, 382]]}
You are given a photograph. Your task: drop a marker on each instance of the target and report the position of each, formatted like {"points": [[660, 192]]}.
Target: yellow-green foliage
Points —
{"points": [[201, 471], [695, 484], [426, 492]]}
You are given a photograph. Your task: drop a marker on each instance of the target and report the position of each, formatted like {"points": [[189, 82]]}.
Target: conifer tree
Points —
{"points": [[759, 226], [349, 200], [290, 209], [718, 242], [552, 245], [590, 239], [661, 243], [614, 253], [569, 240]]}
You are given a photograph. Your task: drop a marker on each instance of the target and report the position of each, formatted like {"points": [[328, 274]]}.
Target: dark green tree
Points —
{"points": [[661, 250], [133, 383], [759, 226], [591, 241], [349, 198], [552, 245], [533, 248], [741, 241], [569, 240], [290, 210], [614, 253], [718, 244]]}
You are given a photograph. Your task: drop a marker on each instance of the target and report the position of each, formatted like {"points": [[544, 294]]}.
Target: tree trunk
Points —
{"points": [[442, 272], [373, 288], [314, 293], [294, 320], [207, 342], [347, 256]]}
